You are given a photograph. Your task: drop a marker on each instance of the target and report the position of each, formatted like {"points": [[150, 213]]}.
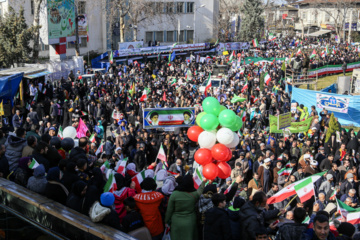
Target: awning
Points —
{"points": [[39, 74], [319, 33]]}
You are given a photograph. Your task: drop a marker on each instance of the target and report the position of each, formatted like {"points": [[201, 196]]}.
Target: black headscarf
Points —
{"points": [[186, 185]]}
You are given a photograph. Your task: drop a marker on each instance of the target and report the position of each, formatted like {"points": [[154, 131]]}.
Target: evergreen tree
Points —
{"points": [[252, 22], [15, 37], [333, 127]]}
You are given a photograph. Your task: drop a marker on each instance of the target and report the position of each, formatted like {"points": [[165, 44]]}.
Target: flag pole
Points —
{"points": [[288, 203]]}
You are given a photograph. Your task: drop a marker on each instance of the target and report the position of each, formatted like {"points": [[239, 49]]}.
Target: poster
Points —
{"points": [[83, 25], [332, 103], [130, 45], [61, 18], [295, 127], [284, 120], [168, 117], [293, 107]]}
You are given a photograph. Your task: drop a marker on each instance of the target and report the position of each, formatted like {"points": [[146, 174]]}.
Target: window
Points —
{"points": [[169, 7], [354, 16], [159, 7], [181, 36], [71, 44], [180, 7], [83, 42], [148, 36], [170, 36], [32, 7], [327, 17], [190, 7], [44, 47], [190, 35], [82, 7], [304, 16], [159, 36]]}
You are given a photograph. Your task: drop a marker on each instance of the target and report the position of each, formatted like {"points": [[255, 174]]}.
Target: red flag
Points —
{"points": [[81, 129], [164, 96]]}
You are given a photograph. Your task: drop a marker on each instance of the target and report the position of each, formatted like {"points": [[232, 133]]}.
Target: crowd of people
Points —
{"points": [[232, 208]]}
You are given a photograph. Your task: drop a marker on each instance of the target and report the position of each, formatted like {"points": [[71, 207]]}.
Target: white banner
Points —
{"points": [[332, 103]]}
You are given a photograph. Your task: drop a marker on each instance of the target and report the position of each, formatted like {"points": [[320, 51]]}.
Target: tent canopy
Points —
{"points": [[319, 33]]}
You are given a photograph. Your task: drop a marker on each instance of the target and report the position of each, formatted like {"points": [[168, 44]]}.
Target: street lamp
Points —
{"points": [[195, 9]]}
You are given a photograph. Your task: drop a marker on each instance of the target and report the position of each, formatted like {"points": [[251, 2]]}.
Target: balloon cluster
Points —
{"points": [[215, 124]]}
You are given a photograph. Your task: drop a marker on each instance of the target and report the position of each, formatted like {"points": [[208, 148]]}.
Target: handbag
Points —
{"points": [[166, 234]]}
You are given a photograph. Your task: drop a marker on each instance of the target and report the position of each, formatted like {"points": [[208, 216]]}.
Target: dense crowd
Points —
{"points": [[233, 208]]}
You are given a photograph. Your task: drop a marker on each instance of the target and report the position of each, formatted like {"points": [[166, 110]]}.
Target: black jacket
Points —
{"points": [[290, 231], [77, 153], [132, 221], [251, 220], [217, 224]]}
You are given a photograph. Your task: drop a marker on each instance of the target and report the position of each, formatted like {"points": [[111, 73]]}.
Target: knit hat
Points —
{"points": [[329, 176], [349, 175], [148, 184], [107, 199], [346, 228], [238, 202]]}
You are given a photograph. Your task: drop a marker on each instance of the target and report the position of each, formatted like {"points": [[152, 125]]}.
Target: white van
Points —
{"points": [[215, 83], [88, 78]]}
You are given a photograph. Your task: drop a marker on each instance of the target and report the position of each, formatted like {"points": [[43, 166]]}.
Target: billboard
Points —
{"points": [[332, 103], [83, 25], [61, 18], [168, 117], [130, 45]]}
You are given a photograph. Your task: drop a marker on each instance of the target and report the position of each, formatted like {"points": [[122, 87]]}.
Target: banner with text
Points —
{"points": [[295, 127], [332, 103], [168, 117]]}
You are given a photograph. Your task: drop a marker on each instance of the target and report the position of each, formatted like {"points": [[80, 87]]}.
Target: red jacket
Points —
{"points": [[148, 204], [120, 196]]}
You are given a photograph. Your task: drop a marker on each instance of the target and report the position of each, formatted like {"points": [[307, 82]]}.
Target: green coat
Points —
{"points": [[181, 214]]}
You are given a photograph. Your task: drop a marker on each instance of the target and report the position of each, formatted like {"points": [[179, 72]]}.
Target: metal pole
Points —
{"points": [[194, 23]]}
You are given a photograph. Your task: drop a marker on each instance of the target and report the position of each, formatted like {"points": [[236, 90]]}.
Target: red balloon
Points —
{"points": [[229, 155], [203, 156], [194, 132], [210, 171], [80, 77], [239, 55], [224, 170], [220, 152]]}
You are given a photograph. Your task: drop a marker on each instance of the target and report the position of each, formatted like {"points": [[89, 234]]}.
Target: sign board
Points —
{"points": [[284, 120], [61, 19], [168, 117], [293, 107], [130, 45], [332, 103], [83, 25]]}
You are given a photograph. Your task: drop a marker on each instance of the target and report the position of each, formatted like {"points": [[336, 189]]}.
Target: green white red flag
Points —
{"points": [[162, 156], [137, 179], [313, 54], [111, 58], [121, 166], [267, 79], [208, 84], [60, 132], [344, 209], [100, 148], [110, 185], [255, 42], [229, 188], [333, 195], [105, 166], [305, 190], [34, 164], [92, 138], [285, 171], [198, 178], [144, 96]]}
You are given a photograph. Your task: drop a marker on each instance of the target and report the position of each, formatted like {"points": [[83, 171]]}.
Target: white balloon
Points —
{"points": [[234, 142], [207, 139], [225, 136], [69, 132]]}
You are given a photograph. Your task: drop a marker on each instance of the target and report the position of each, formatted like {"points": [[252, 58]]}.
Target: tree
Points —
{"points": [[252, 21], [36, 21], [140, 11], [15, 37], [333, 127]]}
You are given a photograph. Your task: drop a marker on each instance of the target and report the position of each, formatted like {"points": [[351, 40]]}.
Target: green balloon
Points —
{"points": [[211, 105], [199, 117], [222, 108], [237, 124], [209, 122], [227, 118]]}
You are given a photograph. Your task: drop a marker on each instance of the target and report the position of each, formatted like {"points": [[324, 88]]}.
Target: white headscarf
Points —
{"points": [[169, 185], [149, 173]]}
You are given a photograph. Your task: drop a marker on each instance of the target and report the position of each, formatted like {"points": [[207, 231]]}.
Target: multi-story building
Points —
{"points": [[280, 17]]}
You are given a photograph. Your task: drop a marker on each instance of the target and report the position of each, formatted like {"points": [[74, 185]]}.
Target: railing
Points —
{"points": [[48, 217]]}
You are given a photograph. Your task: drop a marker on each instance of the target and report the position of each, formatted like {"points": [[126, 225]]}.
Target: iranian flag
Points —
{"points": [[137, 179], [198, 178], [105, 166], [143, 96], [100, 148], [232, 56], [60, 133], [313, 54], [173, 82], [333, 195], [354, 217], [333, 50], [242, 70], [288, 164], [34, 164], [327, 49], [162, 156], [323, 54], [84, 113], [344, 209], [121, 166], [305, 189], [229, 188], [280, 157], [92, 138], [208, 85], [188, 75], [255, 42], [243, 117], [271, 37], [111, 59], [110, 185], [256, 100], [285, 171], [298, 52], [245, 87], [44, 90], [267, 79]]}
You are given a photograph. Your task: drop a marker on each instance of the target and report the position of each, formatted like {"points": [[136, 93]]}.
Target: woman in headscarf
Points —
{"points": [[169, 185], [54, 189], [70, 175], [94, 189], [180, 213], [37, 183], [121, 194], [22, 172], [76, 197], [131, 169], [160, 177], [353, 143]]}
